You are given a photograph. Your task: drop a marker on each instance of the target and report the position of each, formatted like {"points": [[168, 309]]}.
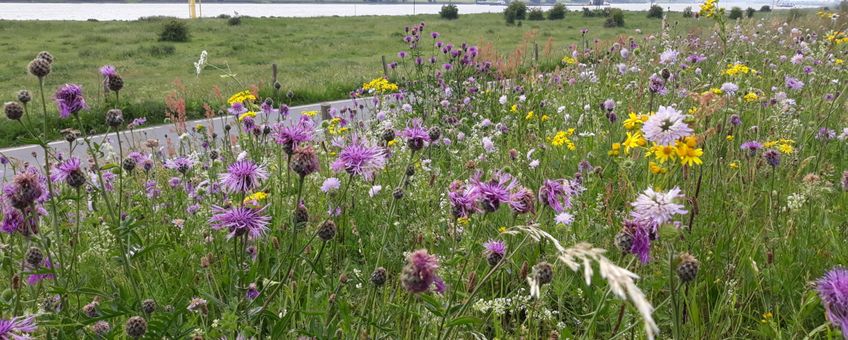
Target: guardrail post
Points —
{"points": [[325, 111]]}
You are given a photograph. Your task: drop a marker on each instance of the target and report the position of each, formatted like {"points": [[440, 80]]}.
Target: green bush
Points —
{"points": [[749, 12], [765, 8], [687, 12], [449, 12], [234, 21], [536, 14], [557, 12], [655, 12], [616, 18], [175, 31], [735, 13], [516, 10]]}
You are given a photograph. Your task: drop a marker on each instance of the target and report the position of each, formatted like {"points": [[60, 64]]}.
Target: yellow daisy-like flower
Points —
{"points": [[614, 149], [688, 155], [380, 85], [502, 229], [633, 140], [708, 8], [392, 142], [529, 115], [751, 97], [256, 197], [241, 97], [247, 114], [663, 152], [737, 69], [692, 141], [309, 113], [785, 148], [569, 60], [462, 220], [545, 118], [634, 120], [513, 108], [562, 138], [656, 169], [733, 165], [838, 61], [729, 138], [716, 91]]}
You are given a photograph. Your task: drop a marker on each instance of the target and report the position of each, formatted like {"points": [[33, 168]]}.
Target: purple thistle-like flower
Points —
{"points": [[137, 122], [666, 126], [793, 83], [69, 100], [420, 271], [752, 147], [495, 191], [557, 194], [290, 136], [641, 240], [17, 328], [237, 109], [16, 221], [243, 176], [608, 105], [656, 84], [181, 164], [252, 292], [240, 221], [108, 71], [772, 157], [64, 170], [495, 247], [26, 189], [656, 208], [360, 159], [522, 201], [416, 135], [463, 200], [34, 279], [833, 291]]}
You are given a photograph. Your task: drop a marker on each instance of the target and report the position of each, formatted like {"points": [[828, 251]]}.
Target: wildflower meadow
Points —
{"points": [[654, 185]]}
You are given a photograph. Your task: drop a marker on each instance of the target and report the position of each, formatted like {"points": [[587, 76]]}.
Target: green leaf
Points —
{"points": [[464, 320]]}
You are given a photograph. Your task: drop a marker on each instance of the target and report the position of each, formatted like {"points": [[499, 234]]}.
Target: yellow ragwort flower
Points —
{"points": [[250, 114], [689, 156], [633, 140], [241, 97], [751, 97]]}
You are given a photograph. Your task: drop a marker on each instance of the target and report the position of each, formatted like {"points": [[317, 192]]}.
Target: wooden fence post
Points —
{"points": [[385, 67], [325, 111]]}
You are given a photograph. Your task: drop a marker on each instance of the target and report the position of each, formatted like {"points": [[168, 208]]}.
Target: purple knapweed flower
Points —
{"points": [[833, 291], [360, 159], [240, 220], [69, 100], [243, 176], [419, 274]]}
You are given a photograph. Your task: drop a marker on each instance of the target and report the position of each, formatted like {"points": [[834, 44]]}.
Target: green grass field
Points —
{"points": [[318, 58]]}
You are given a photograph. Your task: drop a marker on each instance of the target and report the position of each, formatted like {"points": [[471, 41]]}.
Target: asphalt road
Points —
{"points": [[34, 154]]}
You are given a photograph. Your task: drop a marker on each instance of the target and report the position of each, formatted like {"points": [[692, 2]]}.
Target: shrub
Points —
{"points": [[687, 12], [794, 14], [536, 14], [557, 12], [749, 12], [587, 12], [516, 10], [765, 8], [616, 18], [735, 13], [655, 12], [449, 12], [175, 31], [234, 21]]}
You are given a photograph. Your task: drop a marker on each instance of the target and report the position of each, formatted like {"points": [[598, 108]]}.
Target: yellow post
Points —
{"points": [[191, 9]]}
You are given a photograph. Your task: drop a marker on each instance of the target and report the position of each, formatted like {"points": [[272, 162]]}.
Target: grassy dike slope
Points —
{"points": [[318, 58]]}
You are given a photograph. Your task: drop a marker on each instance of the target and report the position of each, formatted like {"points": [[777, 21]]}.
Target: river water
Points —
{"points": [[125, 11]]}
